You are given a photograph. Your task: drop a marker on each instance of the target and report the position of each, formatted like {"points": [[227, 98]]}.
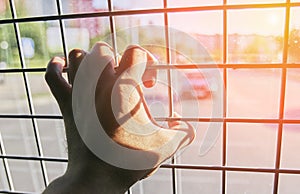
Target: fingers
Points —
{"points": [[134, 61], [185, 127], [58, 85], [102, 54], [75, 58], [149, 76], [190, 134], [174, 123]]}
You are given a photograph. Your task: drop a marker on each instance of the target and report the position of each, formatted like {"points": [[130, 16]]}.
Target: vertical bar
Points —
{"points": [[6, 166], [168, 58], [62, 30], [113, 30], [170, 92], [282, 95], [114, 41], [225, 56], [28, 93], [2, 152]]}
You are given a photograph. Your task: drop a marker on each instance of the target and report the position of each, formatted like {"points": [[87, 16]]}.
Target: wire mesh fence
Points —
{"points": [[258, 142]]}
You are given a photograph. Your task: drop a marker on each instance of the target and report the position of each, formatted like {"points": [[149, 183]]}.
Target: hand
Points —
{"points": [[123, 116]]}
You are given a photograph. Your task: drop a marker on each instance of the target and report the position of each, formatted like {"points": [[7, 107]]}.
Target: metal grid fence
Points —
{"points": [[224, 65]]}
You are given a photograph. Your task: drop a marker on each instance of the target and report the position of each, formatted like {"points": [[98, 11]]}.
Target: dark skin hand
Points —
{"points": [[87, 173]]}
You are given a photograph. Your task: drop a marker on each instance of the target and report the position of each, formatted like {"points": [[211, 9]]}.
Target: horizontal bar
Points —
{"points": [[188, 119], [15, 192], [147, 11], [18, 70], [33, 158], [233, 169], [21, 70], [232, 120], [177, 166], [221, 66], [181, 66], [23, 116]]}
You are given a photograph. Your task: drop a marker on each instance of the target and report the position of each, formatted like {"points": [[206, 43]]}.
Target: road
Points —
{"points": [[250, 94]]}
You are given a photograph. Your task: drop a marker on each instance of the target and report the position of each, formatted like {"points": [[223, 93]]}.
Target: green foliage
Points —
{"points": [[37, 32], [10, 54], [33, 30]]}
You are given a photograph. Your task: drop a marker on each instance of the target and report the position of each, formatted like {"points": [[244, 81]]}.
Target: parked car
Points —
{"points": [[197, 84]]}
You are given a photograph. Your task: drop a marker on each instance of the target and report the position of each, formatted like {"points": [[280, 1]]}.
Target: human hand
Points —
{"points": [[122, 113]]}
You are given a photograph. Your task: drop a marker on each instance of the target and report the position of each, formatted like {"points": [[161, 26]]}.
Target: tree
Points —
{"points": [[294, 46]]}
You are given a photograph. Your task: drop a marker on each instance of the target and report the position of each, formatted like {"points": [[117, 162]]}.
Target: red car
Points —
{"points": [[196, 84]]}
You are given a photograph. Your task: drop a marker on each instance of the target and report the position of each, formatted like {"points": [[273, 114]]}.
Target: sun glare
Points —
{"points": [[273, 19]]}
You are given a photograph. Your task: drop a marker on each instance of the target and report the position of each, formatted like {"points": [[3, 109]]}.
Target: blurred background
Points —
{"points": [[249, 58]]}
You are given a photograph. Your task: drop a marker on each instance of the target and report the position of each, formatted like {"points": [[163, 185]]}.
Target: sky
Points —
{"points": [[264, 22], [269, 21]]}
